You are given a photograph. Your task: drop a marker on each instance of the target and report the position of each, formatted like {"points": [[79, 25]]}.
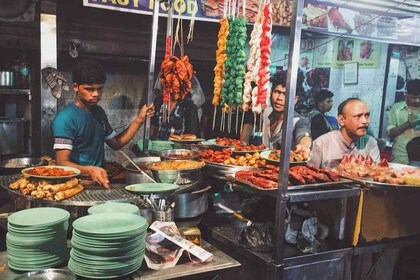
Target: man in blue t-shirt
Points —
{"points": [[81, 128]]}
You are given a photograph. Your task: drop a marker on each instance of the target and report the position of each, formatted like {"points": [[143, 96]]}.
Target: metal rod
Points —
{"points": [[152, 60], [287, 131], [214, 117], [138, 168]]}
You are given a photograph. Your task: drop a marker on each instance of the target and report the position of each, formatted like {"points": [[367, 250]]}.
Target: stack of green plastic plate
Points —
{"points": [[37, 238], [107, 245], [114, 207]]}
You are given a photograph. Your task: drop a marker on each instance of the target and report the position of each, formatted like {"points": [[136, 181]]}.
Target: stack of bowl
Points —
{"points": [[37, 238], [107, 245], [114, 207]]}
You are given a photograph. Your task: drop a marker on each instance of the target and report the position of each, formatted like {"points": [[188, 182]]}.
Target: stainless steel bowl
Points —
{"points": [[50, 274], [174, 154], [179, 177]]}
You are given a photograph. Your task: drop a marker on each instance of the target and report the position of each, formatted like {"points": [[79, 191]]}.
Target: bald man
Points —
{"points": [[351, 139]]}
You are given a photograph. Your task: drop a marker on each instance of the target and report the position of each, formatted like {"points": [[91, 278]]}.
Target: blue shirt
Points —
{"points": [[83, 133]]}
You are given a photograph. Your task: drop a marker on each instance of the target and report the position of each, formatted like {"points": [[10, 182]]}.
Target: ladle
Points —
{"points": [[138, 168]]}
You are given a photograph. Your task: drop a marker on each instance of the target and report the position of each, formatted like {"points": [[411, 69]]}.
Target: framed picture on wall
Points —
{"points": [[351, 73]]}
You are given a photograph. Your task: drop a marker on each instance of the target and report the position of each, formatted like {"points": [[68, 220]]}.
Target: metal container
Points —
{"points": [[174, 154], [15, 165], [51, 274], [6, 79], [14, 136], [134, 176], [191, 204], [179, 177], [163, 216]]}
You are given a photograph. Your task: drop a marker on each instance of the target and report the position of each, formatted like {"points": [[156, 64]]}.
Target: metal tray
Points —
{"points": [[91, 195], [318, 186], [224, 171], [370, 183]]}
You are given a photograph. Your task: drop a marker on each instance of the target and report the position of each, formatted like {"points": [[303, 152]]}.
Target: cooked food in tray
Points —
{"points": [[364, 168], [298, 175], [176, 165], [48, 171], [225, 157], [249, 148], [294, 156], [223, 141], [44, 189]]}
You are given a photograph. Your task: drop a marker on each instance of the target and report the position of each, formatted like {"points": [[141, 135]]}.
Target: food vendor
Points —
{"points": [[273, 118], [183, 118], [81, 128], [404, 122], [354, 118]]}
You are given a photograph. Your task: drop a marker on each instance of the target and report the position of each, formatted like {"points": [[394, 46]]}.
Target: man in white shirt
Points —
{"points": [[351, 139]]}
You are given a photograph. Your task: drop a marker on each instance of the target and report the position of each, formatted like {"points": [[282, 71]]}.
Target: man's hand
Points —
{"points": [[415, 123], [146, 111], [99, 176], [304, 149]]}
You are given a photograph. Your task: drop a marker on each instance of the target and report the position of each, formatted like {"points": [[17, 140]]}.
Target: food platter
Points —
{"points": [[187, 141], [236, 152], [270, 191], [265, 155], [369, 182], [27, 172], [212, 142]]}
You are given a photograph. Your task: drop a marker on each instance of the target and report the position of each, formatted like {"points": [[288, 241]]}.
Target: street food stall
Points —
{"points": [[310, 221]]}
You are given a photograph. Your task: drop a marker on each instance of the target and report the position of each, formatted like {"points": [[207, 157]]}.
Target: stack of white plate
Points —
{"points": [[37, 238], [107, 245]]}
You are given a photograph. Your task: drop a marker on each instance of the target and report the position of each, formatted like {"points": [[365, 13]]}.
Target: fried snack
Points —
{"points": [[44, 189], [68, 193], [189, 136], [19, 184], [61, 187], [175, 137]]}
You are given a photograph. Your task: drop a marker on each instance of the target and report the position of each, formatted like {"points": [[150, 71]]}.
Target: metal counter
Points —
{"points": [[184, 270]]}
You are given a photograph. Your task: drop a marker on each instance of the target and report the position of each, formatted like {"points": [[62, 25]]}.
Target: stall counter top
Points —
{"points": [[188, 270]]}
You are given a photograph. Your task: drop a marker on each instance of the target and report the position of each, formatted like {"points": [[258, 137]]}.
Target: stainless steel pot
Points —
{"points": [[134, 176], [15, 165], [191, 204], [14, 136]]}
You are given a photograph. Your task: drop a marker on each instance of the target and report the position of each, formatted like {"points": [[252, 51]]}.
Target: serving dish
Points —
{"points": [[75, 172], [179, 154], [266, 155]]}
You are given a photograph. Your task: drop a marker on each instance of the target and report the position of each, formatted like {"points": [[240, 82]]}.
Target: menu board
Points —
{"points": [[363, 20], [205, 10], [365, 52]]}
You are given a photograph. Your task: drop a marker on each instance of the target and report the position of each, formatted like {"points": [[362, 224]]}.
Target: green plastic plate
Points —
{"points": [[38, 217], [146, 188]]}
